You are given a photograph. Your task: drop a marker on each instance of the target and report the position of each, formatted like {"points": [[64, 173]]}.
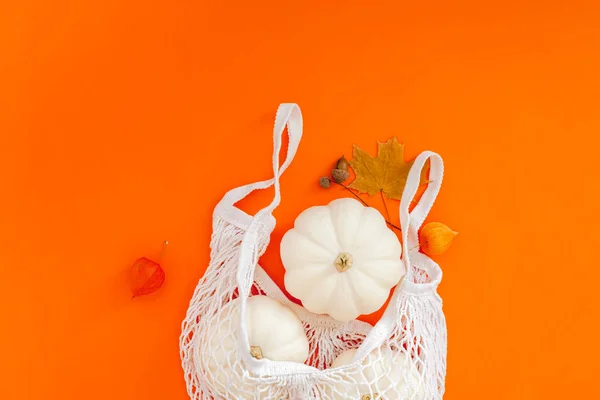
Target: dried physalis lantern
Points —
{"points": [[435, 238], [147, 276]]}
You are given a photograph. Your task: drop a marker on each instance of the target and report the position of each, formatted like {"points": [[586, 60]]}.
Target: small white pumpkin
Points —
{"points": [[341, 259], [383, 374], [274, 333]]}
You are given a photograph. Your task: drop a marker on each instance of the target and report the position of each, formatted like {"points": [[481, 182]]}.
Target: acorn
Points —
{"points": [[340, 172], [324, 182], [342, 164]]}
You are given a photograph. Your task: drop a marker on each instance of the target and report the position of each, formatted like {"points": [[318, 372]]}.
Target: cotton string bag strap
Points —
{"points": [[287, 115], [410, 222]]}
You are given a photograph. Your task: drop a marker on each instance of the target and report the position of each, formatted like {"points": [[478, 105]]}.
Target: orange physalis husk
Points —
{"points": [[147, 277], [435, 238]]}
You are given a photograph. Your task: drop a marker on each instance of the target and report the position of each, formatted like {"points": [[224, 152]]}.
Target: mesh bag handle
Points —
{"points": [[410, 222], [288, 115]]}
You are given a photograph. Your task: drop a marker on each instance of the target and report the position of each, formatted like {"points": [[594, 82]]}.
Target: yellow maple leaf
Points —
{"points": [[385, 173]]}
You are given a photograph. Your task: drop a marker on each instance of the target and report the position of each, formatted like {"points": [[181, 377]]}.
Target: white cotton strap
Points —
{"points": [[436, 174], [410, 222], [287, 115]]}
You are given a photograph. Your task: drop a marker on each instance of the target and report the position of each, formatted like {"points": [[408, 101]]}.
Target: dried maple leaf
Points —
{"points": [[147, 277], [385, 173]]}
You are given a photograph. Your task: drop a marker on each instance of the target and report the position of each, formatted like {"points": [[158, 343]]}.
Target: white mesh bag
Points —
{"points": [[402, 357]]}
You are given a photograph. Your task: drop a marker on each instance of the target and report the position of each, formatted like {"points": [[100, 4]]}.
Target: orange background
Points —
{"points": [[122, 123]]}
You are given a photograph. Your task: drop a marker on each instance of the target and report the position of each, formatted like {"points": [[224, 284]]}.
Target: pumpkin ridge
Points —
{"points": [[355, 242], [319, 307], [320, 273], [384, 234], [359, 244], [364, 272], [331, 299], [335, 230], [383, 294], [311, 239], [349, 282]]}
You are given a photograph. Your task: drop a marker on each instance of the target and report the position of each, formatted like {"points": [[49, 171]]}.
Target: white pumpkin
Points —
{"points": [[383, 375], [274, 332], [341, 259]]}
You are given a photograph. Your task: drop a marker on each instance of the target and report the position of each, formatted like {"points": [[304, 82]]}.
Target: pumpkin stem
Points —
{"points": [[343, 262], [256, 352], [368, 397]]}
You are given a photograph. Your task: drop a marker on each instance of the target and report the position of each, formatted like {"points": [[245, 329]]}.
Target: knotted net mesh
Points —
{"points": [[409, 365]]}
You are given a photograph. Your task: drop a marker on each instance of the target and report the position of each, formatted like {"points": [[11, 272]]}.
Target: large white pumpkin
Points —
{"points": [[274, 332], [341, 259], [386, 374]]}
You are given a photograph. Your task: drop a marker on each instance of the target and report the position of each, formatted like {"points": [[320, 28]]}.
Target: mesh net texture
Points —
{"points": [[409, 365]]}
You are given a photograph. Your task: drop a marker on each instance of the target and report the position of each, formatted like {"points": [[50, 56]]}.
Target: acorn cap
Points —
{"points": [[339, 175]]}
